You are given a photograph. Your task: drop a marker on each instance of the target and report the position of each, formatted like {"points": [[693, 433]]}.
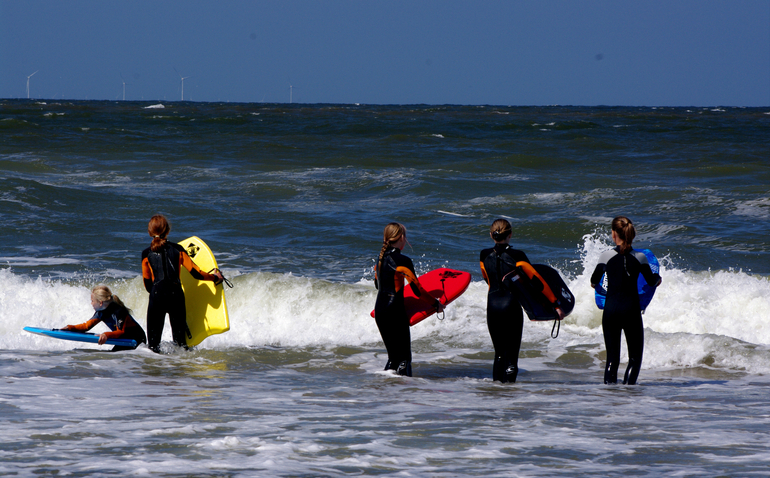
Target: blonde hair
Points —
{"points": [[500, 229], [392, 233], [158, 228], [102, 293], [625, 231]]}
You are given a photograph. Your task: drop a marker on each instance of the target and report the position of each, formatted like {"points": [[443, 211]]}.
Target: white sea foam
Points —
{"points": [[453, 213], [21, 261], [551, 198], [695, 317], [489, 201], [757, 208]]}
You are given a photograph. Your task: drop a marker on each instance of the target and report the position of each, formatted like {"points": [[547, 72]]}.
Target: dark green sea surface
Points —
{"points": [[308, 188]]}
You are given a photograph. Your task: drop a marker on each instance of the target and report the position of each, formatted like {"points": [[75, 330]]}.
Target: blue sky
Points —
{"points": [[548, 52]]}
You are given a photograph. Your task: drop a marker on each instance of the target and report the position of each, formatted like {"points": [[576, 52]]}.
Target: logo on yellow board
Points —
{"points": [[192, 250]]}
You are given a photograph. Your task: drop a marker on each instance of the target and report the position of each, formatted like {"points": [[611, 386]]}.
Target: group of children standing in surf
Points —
{"points": [[505, 319], [163, 261]]}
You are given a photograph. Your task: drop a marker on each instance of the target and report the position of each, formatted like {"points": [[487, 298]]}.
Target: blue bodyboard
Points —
{"points": [[79, 336], [646, 291]]}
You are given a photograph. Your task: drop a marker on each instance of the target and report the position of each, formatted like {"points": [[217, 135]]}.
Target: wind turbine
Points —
{"points": [[124, 87], [30, 76], [182, 78], [291, 90]]}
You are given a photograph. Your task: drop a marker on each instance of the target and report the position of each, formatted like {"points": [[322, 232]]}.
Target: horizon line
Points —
{"points": [[388, 104]]}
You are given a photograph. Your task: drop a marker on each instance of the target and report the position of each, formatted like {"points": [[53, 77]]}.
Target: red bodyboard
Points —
{"points": [[445, 284]]}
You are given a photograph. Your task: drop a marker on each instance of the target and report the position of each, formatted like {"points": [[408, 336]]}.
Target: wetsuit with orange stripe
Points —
{"points": [[160, 271], [389, 310], [505, 318], [120, 322]]}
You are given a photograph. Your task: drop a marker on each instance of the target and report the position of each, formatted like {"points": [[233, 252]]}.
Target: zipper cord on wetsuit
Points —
{"points": [[168, 265]]}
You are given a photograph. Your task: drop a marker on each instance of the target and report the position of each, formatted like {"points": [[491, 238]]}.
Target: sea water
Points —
{"points": [[293, 199]]}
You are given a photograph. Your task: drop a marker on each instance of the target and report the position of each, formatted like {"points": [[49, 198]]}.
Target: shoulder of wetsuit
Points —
{"points": [[640, 256], [389, 259], [485, 253], [508, 256], [175, 251], [98, 314], [119, 310], [607, 255], [112, 308], [406, 261], [516, 254]]}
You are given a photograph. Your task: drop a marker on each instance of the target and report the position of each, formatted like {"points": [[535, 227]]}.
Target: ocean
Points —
{"points": [[293, 199]]}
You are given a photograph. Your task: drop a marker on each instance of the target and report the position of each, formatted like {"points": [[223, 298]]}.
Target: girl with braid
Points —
{"points": [[622, 311], [162, 263], [392, 269]]}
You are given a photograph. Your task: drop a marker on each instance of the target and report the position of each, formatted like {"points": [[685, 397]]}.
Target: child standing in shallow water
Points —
{"points": [[162, 263], [392, 269], [622, 311], [505, 318]]}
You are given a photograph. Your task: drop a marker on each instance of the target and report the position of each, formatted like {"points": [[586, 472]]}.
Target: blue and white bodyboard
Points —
{"points": [[646, 291]]}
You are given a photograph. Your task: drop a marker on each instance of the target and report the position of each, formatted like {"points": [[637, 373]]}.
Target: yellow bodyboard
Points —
{"points": [[205, 302]]}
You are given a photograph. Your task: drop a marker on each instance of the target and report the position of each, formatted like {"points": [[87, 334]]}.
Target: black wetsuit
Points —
{"points": [[120, 323], [161, 279], [389, 311], [622, 311], [505, 318]]}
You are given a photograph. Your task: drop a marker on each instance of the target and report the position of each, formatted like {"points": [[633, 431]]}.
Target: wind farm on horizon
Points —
{"points": [[122, 94]]}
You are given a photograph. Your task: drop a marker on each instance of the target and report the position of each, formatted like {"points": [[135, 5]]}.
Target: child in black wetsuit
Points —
{"points": [[162, 263], [392, 269], [110, 309], [622, 311], [505, 318]]}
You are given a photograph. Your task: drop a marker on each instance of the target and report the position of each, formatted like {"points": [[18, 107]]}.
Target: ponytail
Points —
{"points": [[385, 246], [120, 303], [500, 230], [625, 231], [158, 228], [392, 233]]}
